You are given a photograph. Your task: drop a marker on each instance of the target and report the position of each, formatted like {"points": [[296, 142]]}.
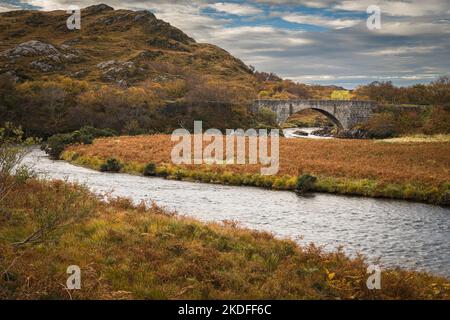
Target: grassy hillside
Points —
{"points": [[113, 46]]}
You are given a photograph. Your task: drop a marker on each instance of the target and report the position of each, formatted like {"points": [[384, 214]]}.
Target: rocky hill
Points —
{"points": [[113, 46]]}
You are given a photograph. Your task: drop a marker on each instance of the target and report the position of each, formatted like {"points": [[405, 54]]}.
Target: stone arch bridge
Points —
{"points": [[344, 113]]}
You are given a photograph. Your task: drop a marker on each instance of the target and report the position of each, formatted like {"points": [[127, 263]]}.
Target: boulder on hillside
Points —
{"points": [[120, 72], [30, 48]]}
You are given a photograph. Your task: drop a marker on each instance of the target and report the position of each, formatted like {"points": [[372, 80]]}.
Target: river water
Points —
{"points": [[405, 234], [291, 133]]}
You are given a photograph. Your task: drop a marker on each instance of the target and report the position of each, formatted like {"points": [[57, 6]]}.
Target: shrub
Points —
{"points": [[305, 183], [382, 125], [111, 165], [56, 144], [13, 149], [150, 169]]}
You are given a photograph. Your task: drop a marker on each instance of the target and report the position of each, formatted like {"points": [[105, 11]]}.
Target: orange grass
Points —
{"points": [[423, 163]]}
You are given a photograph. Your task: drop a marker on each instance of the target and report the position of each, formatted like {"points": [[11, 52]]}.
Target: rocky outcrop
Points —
{"points": [[49, 57], [30, 48], [120, 72], [43, 66]]}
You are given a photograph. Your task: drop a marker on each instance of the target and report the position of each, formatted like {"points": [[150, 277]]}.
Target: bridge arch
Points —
{"points": [[344, 113], [327, 114]]}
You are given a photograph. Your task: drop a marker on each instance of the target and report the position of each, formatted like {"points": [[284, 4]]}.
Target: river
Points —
{"points": [[291, 133], [404, 234]]}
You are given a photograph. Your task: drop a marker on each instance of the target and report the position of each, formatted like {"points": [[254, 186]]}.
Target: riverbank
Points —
{"points": [[126, 251], [409, 171]]}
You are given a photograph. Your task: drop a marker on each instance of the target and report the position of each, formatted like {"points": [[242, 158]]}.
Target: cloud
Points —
{"points": [[402, 51], [398, 8], [408, 8], [411, 27], [322, 21], [236, 9]]}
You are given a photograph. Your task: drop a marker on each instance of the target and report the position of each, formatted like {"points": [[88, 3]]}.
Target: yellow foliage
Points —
{"points": [[341, 95]]}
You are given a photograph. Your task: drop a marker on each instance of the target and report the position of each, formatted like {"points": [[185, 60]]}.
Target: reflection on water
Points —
{"points": [[409, 235]]}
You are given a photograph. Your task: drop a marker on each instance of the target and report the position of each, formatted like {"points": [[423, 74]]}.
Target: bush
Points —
{"points": [[150, 169], [13, 149], [305, 183], [56, 144], [111, 165]]}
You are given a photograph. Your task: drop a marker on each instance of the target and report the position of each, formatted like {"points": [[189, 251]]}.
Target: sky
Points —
{"points": [[309, 41]]}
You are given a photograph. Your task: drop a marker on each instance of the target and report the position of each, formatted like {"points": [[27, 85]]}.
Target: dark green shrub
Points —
{"points": [[150, 170], [111, 165], [56, 144], [305, 183]]}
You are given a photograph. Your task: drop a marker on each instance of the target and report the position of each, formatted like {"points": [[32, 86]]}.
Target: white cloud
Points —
{"points": [[398, 8], [401, 51], [236, 9], [411, 27], [4, 7], [320, 21]]}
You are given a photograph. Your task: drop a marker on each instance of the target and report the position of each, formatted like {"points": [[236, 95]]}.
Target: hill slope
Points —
{"points": [[113, 46]]}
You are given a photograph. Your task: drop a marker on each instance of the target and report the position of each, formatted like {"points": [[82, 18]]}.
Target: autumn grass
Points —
{"points": [[140, 252], [411, 171], [419, 138]]}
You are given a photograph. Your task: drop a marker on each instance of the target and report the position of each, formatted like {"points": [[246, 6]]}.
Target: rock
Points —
{"points": [[79, 74], [324, 132], [42, 66], [30, 48], [300, 133], [354, 134], [105, 64], [115, 71]]}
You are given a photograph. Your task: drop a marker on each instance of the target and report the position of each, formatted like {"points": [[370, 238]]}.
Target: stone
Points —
{"points": [[42, 66], [105, 64], [31, 48]]}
